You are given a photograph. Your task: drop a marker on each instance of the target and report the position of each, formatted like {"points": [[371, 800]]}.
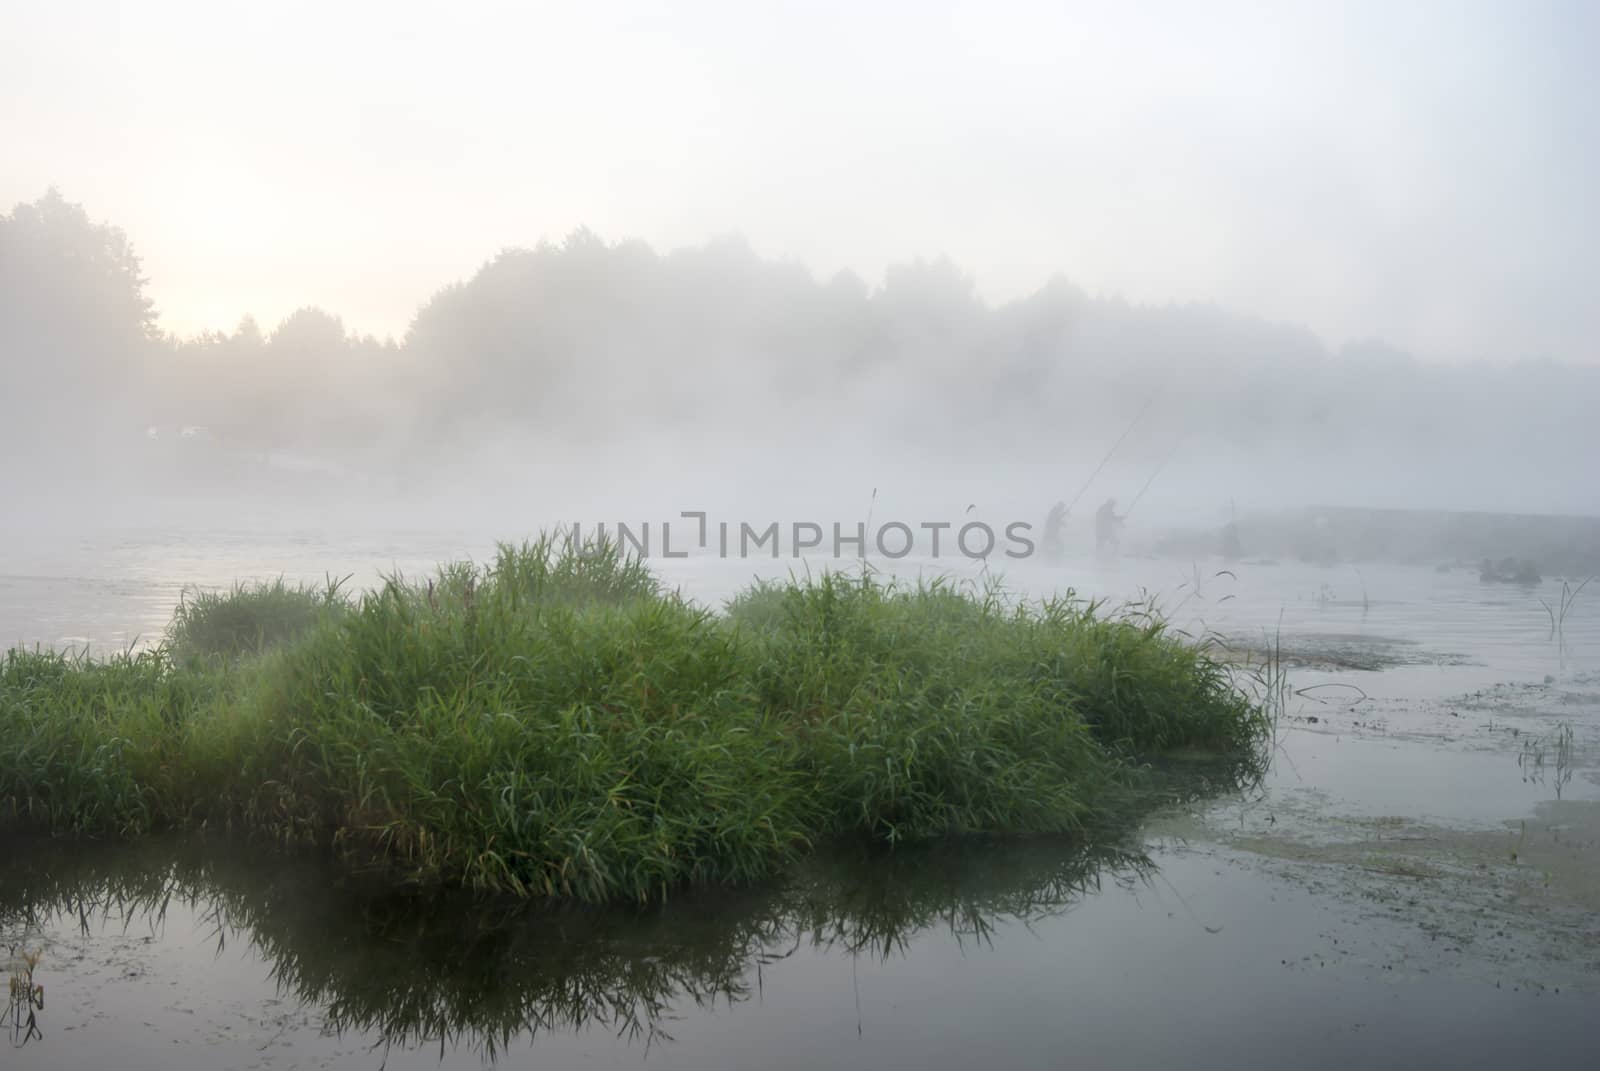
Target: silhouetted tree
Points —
{"points": [[76, 328]]}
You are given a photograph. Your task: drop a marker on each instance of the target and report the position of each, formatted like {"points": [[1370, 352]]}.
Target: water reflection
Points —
{"points": [[408, 969], [25, 997]]}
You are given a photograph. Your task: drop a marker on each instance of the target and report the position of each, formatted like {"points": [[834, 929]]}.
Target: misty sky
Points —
{"points": [[1424, 172]]}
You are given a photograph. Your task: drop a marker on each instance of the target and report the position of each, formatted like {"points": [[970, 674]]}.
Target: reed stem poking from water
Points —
{"points": [[1558, 621], [555, 724]]}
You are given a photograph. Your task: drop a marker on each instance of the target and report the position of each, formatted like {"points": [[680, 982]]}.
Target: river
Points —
{"points": [[1416, 882]]}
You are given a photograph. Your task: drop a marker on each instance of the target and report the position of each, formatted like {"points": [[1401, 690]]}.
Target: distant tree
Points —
{"points": [[307, 335], [76, 328], [587, 341]]}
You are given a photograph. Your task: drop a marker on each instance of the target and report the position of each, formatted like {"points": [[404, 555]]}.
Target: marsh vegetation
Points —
{"points": [[556, 724]]}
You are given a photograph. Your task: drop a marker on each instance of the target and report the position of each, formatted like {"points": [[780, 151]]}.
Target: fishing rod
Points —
{"points": [[1114, 446], [1152, 478]]}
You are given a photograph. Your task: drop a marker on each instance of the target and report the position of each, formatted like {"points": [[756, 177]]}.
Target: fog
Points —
{"points": [[923, 262], [606, 380], [711, 531]]}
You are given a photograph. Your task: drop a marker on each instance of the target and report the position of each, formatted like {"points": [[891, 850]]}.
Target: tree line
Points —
{"points": [[585, 337]]}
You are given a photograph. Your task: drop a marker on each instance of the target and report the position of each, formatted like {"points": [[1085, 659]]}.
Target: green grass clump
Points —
{"points": [[929, 710], [917, 717], [246, 620], [91, 745], [557, 725]]}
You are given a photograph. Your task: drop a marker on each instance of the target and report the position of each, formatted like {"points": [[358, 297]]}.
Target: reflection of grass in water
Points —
{"points": [[452, 969], [25, 998], [1556, 750]]}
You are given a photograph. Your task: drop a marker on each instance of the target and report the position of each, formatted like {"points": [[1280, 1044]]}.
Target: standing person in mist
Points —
{"points": [[1054, 522], [1106, 526]]}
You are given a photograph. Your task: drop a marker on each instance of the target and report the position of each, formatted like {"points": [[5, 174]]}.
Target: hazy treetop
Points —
{"points": [[1420, 172]]}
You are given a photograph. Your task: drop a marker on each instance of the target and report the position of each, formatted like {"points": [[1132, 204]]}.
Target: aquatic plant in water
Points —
{"points": [[1558, 620], [555, 724]]}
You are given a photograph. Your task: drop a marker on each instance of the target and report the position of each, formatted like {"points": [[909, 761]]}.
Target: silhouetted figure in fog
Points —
{"points": [[1106, 526], [1053, 524]]}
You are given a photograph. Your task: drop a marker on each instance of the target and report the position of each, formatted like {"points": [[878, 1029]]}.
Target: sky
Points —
{"points": [[1421, 172]]}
